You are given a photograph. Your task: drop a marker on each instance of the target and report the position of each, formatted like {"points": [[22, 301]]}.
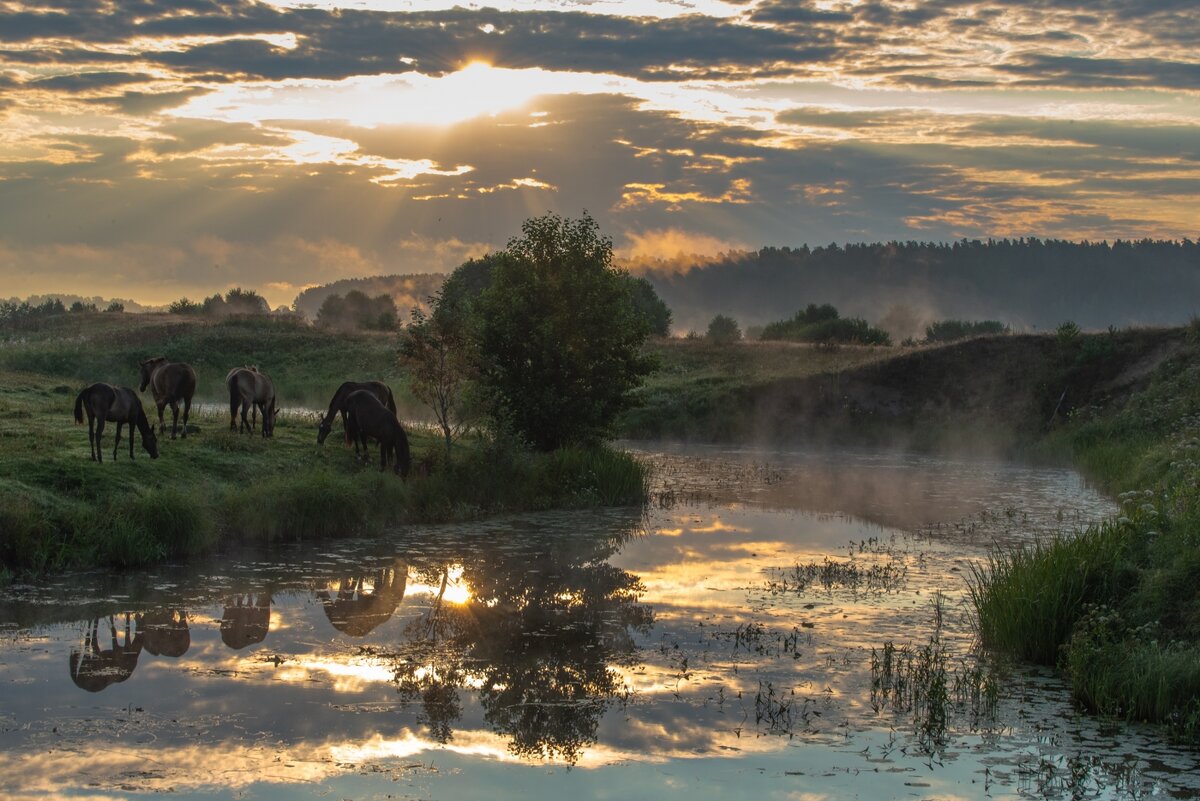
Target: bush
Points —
{"points": [[723, 330], [824, 324], [953, 330]]}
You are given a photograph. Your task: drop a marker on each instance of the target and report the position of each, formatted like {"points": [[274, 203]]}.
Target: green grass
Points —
{"points": [[306, 364], [59, 510], [1118, 605]]}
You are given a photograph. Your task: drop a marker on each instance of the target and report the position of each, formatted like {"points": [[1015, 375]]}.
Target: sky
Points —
{"points": [[156, 150]]}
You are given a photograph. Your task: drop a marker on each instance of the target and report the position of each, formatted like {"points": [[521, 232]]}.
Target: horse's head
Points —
{"points": [[323, 429], [150, 442], [269, 418], [146, 368]]}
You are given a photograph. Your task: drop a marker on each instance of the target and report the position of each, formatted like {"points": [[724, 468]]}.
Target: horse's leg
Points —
{"points": [[117, 440], [187, 410], [244, 428], [131, 430], [99, 433], [91, 435], [174, 417], [161, 425]]}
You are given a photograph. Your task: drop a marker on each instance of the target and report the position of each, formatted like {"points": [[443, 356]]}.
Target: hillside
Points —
{"points": [[991, 393]]}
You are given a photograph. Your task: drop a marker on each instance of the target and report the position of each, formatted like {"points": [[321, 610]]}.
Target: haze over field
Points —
{"points": [[155, 150]]}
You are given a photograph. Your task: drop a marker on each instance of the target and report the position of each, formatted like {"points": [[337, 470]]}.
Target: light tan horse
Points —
{"points": [[170, 382], [251, 390]]}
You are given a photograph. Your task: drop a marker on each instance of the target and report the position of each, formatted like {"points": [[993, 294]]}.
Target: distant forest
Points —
{"points": [[406, 290], [904, 286]]}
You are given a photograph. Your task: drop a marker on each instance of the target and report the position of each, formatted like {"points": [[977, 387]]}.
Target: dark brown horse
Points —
{"points": [[170, 382], [367, 417], [250, 389], [120, 405], [338, 406]]}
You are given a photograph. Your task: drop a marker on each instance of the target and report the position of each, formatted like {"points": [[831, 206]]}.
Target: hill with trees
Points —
{"points": [[1029, 284]]}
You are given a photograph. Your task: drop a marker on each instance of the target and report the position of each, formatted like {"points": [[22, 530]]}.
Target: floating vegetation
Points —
{"points": [[754, 638], [923, 683], [830, 575]]}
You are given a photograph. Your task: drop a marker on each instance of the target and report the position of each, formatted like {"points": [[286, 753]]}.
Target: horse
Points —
{"points": [[248, 388], [120, 405], [170, 382], [338, 406], [367, 417]]}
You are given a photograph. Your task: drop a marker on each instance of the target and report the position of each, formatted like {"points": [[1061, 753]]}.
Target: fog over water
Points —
{"points": [[684, 652]]}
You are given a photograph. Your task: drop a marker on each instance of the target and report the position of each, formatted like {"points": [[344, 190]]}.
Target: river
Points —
{"points": [[777, 625]]}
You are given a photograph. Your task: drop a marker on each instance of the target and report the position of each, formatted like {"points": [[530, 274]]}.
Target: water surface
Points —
{"points": [[719, 645]]}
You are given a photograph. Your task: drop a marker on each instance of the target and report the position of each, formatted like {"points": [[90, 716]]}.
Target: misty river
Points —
{"points": [[757, 633]]}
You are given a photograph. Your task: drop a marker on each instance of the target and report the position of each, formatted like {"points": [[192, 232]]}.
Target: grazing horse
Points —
{"points": [[120, 405], [367, 417], [170, 382], [250, 389], [338, 406]]}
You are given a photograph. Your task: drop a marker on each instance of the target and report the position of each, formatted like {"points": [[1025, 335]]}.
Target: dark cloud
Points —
{"points": [[142, 103], [87, 81], [1074, 71]]}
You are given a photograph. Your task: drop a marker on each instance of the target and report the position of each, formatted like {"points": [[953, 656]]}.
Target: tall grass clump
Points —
{"points": [[1129, 672], [1028, 599], [298, 505]]}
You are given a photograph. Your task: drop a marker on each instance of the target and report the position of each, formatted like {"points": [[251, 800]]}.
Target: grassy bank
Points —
{"points": [[59, 510], [306, 364], [1118, 605], [991, 394]]}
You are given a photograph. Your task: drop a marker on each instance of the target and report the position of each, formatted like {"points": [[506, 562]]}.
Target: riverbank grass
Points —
{"points": [[1118, 605], [59, 510]]}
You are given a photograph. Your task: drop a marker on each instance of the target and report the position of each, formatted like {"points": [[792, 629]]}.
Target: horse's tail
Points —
{"points": [[391, 402], [235, 398], [79, 407]]}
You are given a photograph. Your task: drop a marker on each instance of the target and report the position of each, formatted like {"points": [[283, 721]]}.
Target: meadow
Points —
{"points": [[59, 510]]}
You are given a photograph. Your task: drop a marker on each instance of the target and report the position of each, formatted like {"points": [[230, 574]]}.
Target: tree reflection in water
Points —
{"points": [[540, 637]]}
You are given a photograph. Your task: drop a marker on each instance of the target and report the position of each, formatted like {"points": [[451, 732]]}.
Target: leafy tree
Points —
{"points": [[559, 338], [116, 307], [440, 358], [723, 330], [79, 307], [823, 324], [245, 301], [650, 306], [356, 310], [185, 306]]}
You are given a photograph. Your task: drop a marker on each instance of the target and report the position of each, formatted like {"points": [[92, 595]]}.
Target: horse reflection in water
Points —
{"points": [[94, 668], [246, 620], [165, 632], [362, 603]]}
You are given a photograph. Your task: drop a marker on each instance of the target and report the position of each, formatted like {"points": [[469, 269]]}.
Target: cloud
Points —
{"points": [[673, 249]]}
